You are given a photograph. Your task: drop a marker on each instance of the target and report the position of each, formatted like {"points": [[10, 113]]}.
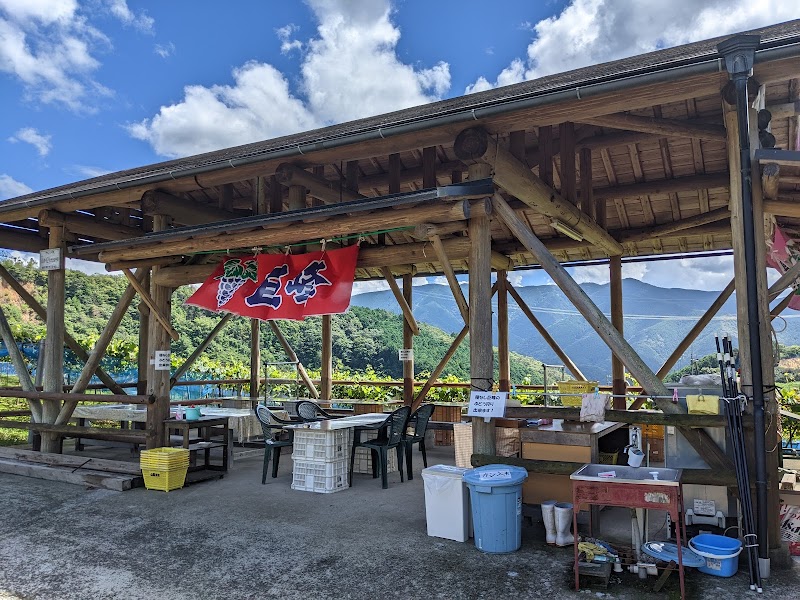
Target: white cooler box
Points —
{"points": [[447, 508]]}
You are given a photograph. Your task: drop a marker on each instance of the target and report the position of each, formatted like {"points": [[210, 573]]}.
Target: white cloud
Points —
{"points": [[30, 136], [164, 50], [50, 47], [593, 31], [90, 171], [120, 9], [363, 287], [285, 34], [258, 106], [355, 46], [711, 273], [11, 188]]}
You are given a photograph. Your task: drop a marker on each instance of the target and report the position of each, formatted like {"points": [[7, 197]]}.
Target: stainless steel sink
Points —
{"points": [[626, 474]]}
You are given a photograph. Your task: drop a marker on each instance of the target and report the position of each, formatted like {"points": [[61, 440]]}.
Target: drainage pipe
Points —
{"points": [[739, 54]]}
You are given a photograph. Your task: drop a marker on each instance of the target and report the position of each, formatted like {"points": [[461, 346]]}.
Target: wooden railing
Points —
{"points": [[116, 435]]}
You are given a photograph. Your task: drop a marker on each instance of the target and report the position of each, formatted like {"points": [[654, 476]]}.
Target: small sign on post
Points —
{"points": [[405, 354], [50, 259], [487, 404], [162, 360]]}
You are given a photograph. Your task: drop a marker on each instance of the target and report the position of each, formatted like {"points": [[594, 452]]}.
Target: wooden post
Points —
{"points": [[18, 361], [699, 439], [292, 355], [568, 362], [159, 341], [587, 203], [255, 357], [481, 356], [408, 343], [566, 139], [99, 350], [144, 340], [502, 333], [617, 368], [54, 350], [187, 364], [405, 307], [743, 321], [326, 370], [72, 344]]}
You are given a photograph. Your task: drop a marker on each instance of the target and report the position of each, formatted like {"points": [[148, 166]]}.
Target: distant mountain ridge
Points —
{"points": [[656, 320]]}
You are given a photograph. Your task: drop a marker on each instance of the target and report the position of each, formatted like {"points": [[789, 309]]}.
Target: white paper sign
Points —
{"points": [[405, 354], [495, 475], [705, 507], [50, 259], [487, 404], [162, 362]]}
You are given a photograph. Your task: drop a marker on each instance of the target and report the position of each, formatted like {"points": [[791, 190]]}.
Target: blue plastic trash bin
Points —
{"points": [[496, 495]]}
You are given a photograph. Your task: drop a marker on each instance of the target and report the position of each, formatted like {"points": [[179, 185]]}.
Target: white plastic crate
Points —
{"points": [[320, 477], [309, 446], [363, 459]]}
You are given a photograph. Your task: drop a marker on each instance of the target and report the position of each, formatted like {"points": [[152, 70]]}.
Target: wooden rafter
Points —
{"points": [[515, 177], [664, 127]]}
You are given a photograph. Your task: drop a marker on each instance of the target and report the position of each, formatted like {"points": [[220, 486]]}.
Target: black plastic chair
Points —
{"points": [[308, 412], [390, 435], [272, 426], [419, 421]]}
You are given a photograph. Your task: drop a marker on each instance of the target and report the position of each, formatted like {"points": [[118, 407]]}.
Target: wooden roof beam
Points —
{"points": [[658, 231], [664, 186], [515, 177], [185, 212], [84, 225], [294, 232], [662, 127], [326, 190], [24, 241]]}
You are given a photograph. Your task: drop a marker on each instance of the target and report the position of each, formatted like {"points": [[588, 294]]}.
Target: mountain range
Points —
{"points": [[656, 320]]}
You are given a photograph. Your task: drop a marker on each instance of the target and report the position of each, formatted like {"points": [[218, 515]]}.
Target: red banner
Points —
{"points": [[277, 286], [783, 252]]}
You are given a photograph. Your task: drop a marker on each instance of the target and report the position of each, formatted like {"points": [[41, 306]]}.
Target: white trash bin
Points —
{"points": [[447, 508]]}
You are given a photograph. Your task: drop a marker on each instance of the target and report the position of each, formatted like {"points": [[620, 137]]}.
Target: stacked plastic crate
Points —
{"points": [[321, 461], [363, 459]]}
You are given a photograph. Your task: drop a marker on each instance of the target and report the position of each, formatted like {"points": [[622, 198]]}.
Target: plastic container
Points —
{"points": [[575, 387], [320, 477], [307, 446], [495, 492], [162, 458], [446, 502], [721, 553], [192, 413], [164, 479]]}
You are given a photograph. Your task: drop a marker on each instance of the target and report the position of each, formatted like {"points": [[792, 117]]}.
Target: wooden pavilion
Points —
{"points": [[636, 157]]}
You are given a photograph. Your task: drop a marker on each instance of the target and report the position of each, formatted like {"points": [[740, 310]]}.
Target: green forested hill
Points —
{"points": [[363, 338]]}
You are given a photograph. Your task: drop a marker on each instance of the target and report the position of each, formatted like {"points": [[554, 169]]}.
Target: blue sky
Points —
{"points": [[94, 86]]}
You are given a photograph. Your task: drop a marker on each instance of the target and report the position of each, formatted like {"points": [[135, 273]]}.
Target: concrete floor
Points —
{"points": [[235, 538]]}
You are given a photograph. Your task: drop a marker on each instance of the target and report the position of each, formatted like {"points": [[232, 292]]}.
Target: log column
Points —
{"points": [[408, 343], [53, 380], [158, 341], [617, 367], [144, 341], [481, 358]]}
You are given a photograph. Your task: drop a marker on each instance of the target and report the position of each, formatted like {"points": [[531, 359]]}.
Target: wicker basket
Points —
{"points": [[578, 388]]}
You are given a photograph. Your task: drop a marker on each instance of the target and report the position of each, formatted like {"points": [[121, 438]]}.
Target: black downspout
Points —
{"points": [[739, 53]]}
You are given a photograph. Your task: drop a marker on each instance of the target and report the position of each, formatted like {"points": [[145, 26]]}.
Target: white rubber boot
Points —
{"points": [[563, 512], [549, 518]]}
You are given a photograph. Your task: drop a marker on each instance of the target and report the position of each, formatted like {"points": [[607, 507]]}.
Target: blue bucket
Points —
{"points": [[721, 553]]}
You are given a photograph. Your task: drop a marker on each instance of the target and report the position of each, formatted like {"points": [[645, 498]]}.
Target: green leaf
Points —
{"points": [[250, 270]]}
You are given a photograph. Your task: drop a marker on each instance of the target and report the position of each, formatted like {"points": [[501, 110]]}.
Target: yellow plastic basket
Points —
{"points": [[164, 479], [164, 458], [575, 387]]}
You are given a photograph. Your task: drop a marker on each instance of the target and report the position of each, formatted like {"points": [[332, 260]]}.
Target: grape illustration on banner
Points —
{"points": [[236, 274]]}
